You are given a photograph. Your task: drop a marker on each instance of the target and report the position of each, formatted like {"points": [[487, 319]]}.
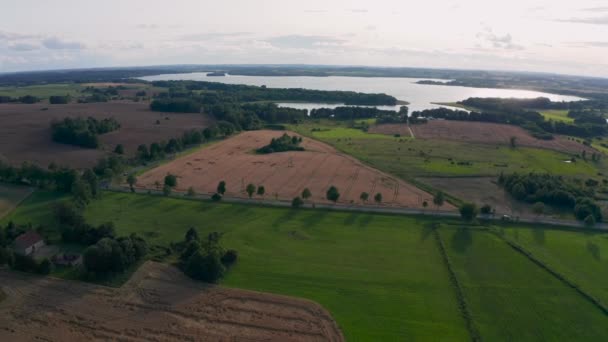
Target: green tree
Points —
{"points": [[364, 197], [250, 189], [191, 192], [333, 194], [171, 180], [166, 190], [590, 220], [261, 190], [191, 235], [221, 188], [132, 180], [468, 211], [538, 208], [486, 209], [438, 199], [306, 194], [119, 149], [378, 198], [513, 142], [45, 267], [297, 202], [205, 265]]}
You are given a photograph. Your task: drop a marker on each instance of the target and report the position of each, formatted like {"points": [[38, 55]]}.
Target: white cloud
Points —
{"points": [[56, 43]]}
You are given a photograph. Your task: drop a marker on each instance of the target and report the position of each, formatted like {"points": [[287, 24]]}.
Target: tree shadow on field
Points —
{"points": [[365, 220], [427, 230], [351, 218], [594, 250], [288, 216], [539, 236], [314, 218], [462, 240]]}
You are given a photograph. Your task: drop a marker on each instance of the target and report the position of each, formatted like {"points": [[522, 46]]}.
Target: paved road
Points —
{"points": [[369, 209]]}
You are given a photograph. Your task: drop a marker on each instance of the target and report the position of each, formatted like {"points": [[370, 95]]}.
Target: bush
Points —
{"points": [[203, 266], [297, 202], [230, 257], [486, 209], [333, 194], [56, 99], [171, 180], [216, 197], [468, 211], [282, 144], [45, 267]]}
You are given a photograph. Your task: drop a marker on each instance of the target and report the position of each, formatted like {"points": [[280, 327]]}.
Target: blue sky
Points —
{"points": [[534, 35]]}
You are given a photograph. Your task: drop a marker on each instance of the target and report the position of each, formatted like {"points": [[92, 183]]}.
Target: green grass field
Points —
{"points": [[365, 269], [556, 115], [410, 158], [381, 276], [582, 258], [512, 299], [42, 91], [11, 196]]}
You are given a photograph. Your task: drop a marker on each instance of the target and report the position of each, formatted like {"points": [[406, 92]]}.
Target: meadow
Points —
{"points": [[408, 158], [512, 299], [582, 258], [382, 277], [364, 268], [42, 91]]}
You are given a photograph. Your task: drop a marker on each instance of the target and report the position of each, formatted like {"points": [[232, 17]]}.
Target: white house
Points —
{"points": [[28, 242]]}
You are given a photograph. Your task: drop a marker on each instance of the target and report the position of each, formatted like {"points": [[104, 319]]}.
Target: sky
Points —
{"points": [[569, 37]]}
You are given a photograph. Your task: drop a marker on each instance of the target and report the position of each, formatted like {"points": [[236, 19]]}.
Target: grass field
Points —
{"points": [[365, 269], [556, 115], [409, 158], [42, 91], [11, 196], [512, 299], [381, 276], [583, 258]]}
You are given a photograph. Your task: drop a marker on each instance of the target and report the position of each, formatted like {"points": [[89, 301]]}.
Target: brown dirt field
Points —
{"points": [[480, 132], [158, 304], [286, 173], [25, 133]]}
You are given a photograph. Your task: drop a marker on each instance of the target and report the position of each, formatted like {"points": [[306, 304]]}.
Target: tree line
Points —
{"points": [[82, 132], [353, 113], [556, 191]]}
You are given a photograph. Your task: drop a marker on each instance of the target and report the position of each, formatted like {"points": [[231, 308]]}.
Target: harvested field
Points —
{"points": [[11, 196], [284, 175], [25, 133], [480, 132], [157, 304]]}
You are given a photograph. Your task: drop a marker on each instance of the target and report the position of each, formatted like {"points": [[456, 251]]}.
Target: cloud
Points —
{"points": [[23, 46], [596, 9], [487, 38], [590, 44], [212, 36], [315, 11], [55, 43], [304, 42], [359, 10], [603, 20], [148, 26]]}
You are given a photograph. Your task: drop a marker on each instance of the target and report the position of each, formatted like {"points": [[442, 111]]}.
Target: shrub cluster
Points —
{"points": [[82, 132], [282, 144]]}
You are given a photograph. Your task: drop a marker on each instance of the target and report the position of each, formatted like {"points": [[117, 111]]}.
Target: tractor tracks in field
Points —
{"points": [[562, 278], [463, 306]]}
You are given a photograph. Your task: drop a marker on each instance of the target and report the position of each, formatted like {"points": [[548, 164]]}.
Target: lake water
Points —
{"points": [[419, 96]]}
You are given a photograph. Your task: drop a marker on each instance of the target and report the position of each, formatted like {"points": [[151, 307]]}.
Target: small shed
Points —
{"points": [[28, 242]]}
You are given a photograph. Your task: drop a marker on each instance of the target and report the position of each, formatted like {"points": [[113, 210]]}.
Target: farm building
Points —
{"points": [[28, 242]]}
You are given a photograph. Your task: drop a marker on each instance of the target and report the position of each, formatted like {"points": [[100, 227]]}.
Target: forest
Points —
{"points": [[82, 132]]}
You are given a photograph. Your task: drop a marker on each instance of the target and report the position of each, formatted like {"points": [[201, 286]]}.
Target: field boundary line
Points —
{"points": [[569, 283], [462, 303]]}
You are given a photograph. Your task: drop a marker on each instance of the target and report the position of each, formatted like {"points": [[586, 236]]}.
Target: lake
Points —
{"points": [[419, 96]]}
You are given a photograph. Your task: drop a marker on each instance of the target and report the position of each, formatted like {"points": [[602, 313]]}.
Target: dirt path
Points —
{"points": [[157, 304]]}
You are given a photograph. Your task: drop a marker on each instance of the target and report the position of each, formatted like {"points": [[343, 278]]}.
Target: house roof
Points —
{"points": [[27, 239]]}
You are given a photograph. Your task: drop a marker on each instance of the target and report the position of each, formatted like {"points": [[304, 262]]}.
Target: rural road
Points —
{"points": [[368, 209]]}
